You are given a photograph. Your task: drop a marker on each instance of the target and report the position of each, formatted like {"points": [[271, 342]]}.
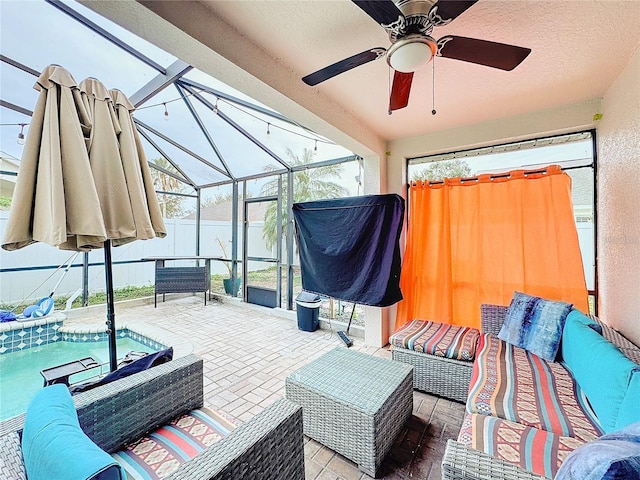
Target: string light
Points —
{"points": [[215, 110], [301, 135], [21, 134]]}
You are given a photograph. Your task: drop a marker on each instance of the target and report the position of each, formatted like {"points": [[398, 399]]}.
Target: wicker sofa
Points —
{"points": [[519, 422], [269, 446]]}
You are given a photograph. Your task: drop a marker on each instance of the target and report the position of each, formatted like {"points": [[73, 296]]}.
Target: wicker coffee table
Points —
{"points": [[353, 403]]}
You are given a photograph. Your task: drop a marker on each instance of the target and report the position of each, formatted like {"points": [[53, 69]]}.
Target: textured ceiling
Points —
{"points": [[578, 49]]}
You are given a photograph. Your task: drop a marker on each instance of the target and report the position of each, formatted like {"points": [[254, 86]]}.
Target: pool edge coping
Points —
{"points": [[181, 346]]}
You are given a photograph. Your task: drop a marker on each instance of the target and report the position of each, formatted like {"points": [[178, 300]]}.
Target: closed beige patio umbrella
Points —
{"points": [[106, 164], [53, 202], [83, 181], [144, 203]]}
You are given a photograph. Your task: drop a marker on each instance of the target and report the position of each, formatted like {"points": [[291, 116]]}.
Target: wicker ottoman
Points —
{"points": [[441, 355], [353, 403]]}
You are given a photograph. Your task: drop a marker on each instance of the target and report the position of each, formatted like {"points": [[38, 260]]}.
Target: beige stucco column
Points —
{"points": [[376, 328]]}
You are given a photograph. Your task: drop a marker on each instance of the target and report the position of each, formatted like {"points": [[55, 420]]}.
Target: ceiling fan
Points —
{"points": [[409, 24]]}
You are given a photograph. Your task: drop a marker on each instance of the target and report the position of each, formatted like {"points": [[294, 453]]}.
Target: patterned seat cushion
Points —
{"points": [[160, 453], [530, 448], [450, 341], [510, 383]]}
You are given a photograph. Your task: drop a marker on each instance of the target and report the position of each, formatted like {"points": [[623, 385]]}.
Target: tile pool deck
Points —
{"points": [[248, 352]]}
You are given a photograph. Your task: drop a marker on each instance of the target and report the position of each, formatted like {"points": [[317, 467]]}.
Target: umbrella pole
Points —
{"points": [[111, 314]]}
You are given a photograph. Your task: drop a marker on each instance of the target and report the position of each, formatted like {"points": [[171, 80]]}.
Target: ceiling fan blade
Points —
{"points": [[449, 10], [343, 65], [383, 12], [482, 52], [400, 90]]}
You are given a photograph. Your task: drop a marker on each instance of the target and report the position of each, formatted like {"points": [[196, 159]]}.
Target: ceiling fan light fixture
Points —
{"points": [[410, 53]]}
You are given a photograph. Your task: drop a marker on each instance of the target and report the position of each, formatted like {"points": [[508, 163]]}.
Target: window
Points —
{"points": [[575, 153]]}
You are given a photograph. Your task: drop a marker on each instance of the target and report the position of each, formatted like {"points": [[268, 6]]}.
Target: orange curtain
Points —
{"points": [[472, 242]]}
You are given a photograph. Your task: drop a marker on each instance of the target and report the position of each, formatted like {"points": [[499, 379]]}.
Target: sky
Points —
{"points": [[55, 38], [579, 152]]}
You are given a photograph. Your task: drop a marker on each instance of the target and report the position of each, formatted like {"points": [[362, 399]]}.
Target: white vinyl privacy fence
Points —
{"points": [[180, 241], [18, 285]]}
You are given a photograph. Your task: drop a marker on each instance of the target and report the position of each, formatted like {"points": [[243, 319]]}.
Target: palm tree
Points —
{"points": [[309, 184], [170, 205]]}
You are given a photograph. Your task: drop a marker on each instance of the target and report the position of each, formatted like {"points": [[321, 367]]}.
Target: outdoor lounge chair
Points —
{"points": [[269, 446]]}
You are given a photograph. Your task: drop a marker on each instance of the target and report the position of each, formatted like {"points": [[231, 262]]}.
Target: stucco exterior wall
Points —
{"points": [[619, 202]]}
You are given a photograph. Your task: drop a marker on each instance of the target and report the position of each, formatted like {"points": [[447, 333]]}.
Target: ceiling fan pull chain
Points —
{"points": [[433, 86], [389, 84]]}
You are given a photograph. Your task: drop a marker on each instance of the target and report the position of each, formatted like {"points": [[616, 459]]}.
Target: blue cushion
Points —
{"points": [[578, 316], [535, 324], [601, 370], [144, 363], [630, 407], [54, 446], [615, 456]]}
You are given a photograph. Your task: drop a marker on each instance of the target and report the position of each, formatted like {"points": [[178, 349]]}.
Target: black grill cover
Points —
{"points": [[349, 248]]}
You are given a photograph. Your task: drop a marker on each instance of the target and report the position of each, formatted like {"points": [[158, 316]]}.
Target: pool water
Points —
{"points": [[20, 376]]}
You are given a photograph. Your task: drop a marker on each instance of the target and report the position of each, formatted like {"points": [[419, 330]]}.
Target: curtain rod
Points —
{"points": [[506, 175], [503, 147]]}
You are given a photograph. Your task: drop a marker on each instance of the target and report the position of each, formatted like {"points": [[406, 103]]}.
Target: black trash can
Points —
{"points": [[308, 311]]}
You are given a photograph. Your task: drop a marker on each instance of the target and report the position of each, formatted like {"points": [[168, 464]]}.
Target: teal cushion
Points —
{"points": [[535, 324], [630, 406], [601, 370], [54, 445], [578, 316]]}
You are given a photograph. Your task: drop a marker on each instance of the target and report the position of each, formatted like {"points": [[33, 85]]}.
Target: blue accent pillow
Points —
{"points": [[54, 445], [615, 456], [535, 324]]}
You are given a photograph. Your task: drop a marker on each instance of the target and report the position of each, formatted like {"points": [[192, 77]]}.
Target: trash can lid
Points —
{"points": [[308, 297]]}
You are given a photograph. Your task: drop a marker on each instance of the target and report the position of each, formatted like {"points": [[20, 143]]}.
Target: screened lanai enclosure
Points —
{"points": [[225, 168]]}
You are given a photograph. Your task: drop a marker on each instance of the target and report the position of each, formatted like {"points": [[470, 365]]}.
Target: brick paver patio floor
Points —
{"points": [[248, 352]]}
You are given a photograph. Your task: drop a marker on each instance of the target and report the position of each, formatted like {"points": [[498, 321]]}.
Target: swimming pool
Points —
{"points": [[20, 375]]}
